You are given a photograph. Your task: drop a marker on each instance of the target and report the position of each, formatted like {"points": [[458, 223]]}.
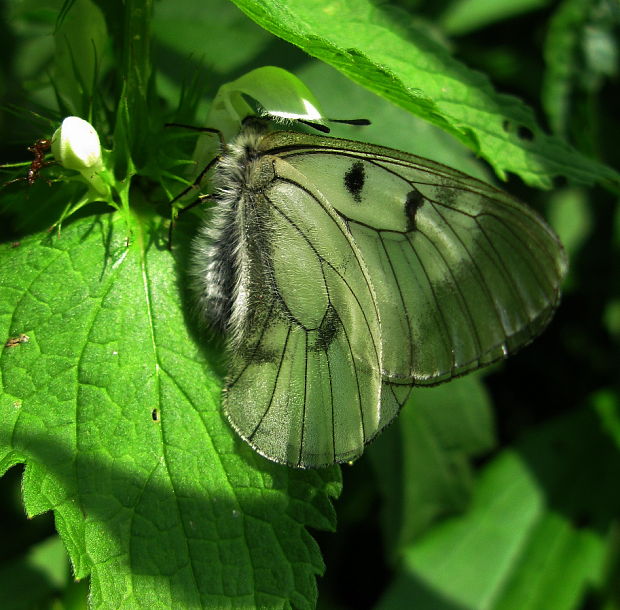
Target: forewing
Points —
{"points": [[305, 381], [463, 273]]}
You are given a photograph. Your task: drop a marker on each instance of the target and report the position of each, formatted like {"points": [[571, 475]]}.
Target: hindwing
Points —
{"points": [[306, 373]]}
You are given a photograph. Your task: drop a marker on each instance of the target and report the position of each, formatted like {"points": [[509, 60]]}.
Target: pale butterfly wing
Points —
{"points": [[361, 271], [305, 381], [463, 273]]}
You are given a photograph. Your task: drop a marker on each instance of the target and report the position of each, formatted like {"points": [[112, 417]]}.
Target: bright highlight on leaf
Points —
{"points": [[277, 93], [268, 90], [345, 274]]}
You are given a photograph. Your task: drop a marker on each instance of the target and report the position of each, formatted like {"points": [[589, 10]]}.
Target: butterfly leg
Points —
{"points": [[196, 183], [199, 199], [194, 203]]}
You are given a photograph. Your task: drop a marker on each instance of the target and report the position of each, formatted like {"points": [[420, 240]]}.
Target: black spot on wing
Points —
{"points": [[413, 202], [330, 326], [354, 181]]}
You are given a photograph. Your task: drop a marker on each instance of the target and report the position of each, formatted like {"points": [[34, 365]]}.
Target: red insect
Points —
{"points": [[39, 150]]}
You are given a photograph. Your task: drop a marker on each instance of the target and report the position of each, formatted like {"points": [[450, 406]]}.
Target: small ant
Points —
{"points": [[38, 149]]}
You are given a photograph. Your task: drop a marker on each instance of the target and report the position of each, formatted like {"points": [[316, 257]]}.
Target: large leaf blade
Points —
{"points": [[398, 59], [114, 408]]}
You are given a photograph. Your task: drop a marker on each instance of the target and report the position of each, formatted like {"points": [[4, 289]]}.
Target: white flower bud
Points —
{"points": [[75, 145]]}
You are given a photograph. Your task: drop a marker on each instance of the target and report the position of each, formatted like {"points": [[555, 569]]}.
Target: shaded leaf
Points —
{"points": [[534, 535], [405, 65], [422, 462], [32, 579], [465, 16], [165, 511]]}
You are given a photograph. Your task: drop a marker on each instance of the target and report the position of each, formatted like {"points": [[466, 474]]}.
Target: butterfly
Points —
{"points": [[345, 274]]}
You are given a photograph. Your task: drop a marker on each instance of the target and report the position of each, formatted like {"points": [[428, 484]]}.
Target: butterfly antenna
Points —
{"points": [[325, 129], [350, 121], [318, 126]]}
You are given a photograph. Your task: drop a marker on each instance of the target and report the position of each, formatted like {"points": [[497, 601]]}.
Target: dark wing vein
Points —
{"points": [[444, 323], [463, 304], [481, 279], [249, 360], [402, 299], [357, 378], [323, 260], [275, 385]]}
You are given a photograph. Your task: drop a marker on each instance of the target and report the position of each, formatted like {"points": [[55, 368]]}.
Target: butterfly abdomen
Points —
{"points": [[223, 255]]}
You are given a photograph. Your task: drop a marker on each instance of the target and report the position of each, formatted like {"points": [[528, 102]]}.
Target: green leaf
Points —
{"points": [[570, 215], [581, 49], [405, 65], [113, 405], [534, 535], [464, 16], [80, 41], [422, 462], [390, 126], [33, 578], [562, 59], [607, 406], [180, 27]]}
